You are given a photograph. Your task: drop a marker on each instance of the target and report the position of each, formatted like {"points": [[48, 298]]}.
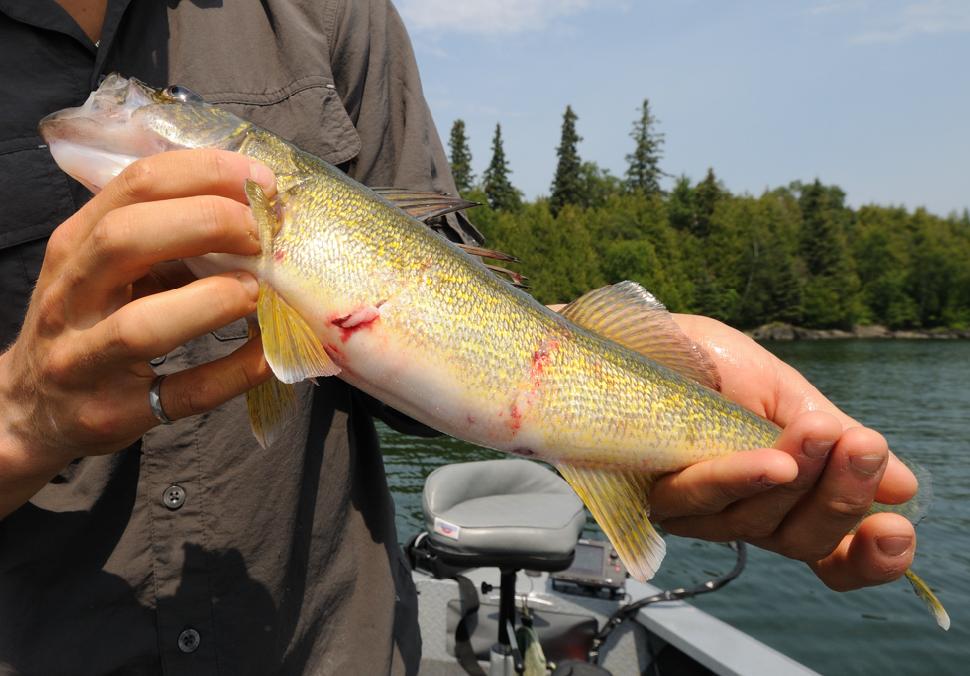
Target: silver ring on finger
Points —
{"points": [[155, 401]]}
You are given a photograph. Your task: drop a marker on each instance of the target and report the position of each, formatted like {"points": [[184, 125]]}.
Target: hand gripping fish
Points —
{"points": [[609, 391]]}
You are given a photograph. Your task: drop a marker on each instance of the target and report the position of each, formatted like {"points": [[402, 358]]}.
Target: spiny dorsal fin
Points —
{"points": [[482, 252], [516, 279], [423, 205], [619, 501], [628, 314], [427, 207]]}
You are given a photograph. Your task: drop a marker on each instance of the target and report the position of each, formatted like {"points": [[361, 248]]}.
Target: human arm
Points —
{"points": [[76, 380], [804, 497]]}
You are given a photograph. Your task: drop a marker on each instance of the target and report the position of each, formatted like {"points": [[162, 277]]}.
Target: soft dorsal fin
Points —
{"points": [[628, 314]]}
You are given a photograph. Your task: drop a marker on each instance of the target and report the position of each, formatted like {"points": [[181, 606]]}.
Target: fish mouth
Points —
{"points": [[95, 141]]}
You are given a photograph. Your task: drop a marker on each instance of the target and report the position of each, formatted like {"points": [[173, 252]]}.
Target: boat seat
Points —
{"points": [[502, 513]]}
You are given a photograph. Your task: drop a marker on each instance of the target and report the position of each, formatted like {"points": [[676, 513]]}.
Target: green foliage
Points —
{"points": [[643, 172], [794, 254], [461, 158], [498, 188], [567, 185]]}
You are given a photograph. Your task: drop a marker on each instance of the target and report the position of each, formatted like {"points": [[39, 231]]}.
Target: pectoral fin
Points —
{"points": [[292, 349], [271, 406], [618, 500]]}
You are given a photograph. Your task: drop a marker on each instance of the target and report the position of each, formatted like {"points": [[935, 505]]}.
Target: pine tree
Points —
{"points": [[567, 186], [706, 196], [643, 173], [461, 158], [831, 296], [499, 190]]}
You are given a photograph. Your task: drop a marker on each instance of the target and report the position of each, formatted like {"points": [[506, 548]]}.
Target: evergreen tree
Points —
{"points": [[461, 158], [598, 184], [706, 196], [680, 205], [499, 190], [831, 294], [567, 186], [643, 170]]}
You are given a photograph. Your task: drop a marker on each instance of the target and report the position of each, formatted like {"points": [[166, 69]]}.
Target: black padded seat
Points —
{"points": [[503, 513]]}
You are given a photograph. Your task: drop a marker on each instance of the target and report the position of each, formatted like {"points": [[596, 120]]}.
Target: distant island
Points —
{"points": [[794, 256], [782, 331]]}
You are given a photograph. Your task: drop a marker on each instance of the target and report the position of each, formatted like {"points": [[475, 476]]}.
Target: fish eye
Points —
{"points": [[183, 94]]}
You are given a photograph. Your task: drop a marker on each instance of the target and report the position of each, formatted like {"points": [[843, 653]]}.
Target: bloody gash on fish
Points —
{"points": [[609, 391]]}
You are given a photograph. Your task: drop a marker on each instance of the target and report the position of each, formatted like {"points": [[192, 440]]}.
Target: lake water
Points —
{"points": [[917, 393]]}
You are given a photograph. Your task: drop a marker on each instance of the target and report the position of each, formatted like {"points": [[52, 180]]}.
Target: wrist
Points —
{"points": [[25, 467]]}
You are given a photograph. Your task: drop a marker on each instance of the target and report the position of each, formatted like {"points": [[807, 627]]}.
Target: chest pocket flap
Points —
{"points": [[307, 113]]}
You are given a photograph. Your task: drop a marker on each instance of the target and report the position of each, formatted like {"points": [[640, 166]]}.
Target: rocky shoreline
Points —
{"points": [[780, 331]]}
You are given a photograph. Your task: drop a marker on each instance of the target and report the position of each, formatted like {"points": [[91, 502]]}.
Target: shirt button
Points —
{"points": [[173, 497], [189, 640]]}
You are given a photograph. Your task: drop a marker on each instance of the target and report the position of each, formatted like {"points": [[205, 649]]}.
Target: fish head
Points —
{"points": [[125, 119]]}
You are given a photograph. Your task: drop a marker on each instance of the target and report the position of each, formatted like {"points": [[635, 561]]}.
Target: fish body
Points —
{"points": [[609, 391]]}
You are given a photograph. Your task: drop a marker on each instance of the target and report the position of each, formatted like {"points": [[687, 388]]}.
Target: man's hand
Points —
{"points": [[802, 498], [76, 381]]}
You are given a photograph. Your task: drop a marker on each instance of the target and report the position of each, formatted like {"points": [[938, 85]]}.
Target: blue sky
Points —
{"points": [[872, 95]]}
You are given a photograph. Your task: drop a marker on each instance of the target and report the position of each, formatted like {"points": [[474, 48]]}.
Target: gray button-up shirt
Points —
{"points": [[195, 552]]}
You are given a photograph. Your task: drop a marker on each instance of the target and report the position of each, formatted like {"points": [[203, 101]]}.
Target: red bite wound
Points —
{"points": [[357, 320]]}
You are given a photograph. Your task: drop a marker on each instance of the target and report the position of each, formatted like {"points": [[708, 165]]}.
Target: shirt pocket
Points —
{"points": [[37, 198], [38, 194], [307, 113]]}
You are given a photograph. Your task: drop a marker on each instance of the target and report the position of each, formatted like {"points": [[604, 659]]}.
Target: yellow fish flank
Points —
{"points": [[609, 391]]}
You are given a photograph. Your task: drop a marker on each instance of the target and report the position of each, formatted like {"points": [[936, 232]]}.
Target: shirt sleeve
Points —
{"points": [[377, 78]]}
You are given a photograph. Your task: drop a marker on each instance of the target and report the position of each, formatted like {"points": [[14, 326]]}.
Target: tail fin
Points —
{"points": [[914, 510], [917, 507], [926, 595]]}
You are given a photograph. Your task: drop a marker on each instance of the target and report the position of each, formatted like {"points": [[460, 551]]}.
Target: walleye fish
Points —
{"points": [[609, 390]]}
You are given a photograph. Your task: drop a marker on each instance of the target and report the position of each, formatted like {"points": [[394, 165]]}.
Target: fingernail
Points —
{"points": [[249, 283], [894, 545], [867, 464], [260, 173], [817, 448]]}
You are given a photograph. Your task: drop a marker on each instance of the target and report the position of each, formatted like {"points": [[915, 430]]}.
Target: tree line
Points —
{"points": [[795, 254]]}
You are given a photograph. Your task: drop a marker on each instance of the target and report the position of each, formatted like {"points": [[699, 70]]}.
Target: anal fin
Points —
{"points": [[618, 500], [292, 349]]}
